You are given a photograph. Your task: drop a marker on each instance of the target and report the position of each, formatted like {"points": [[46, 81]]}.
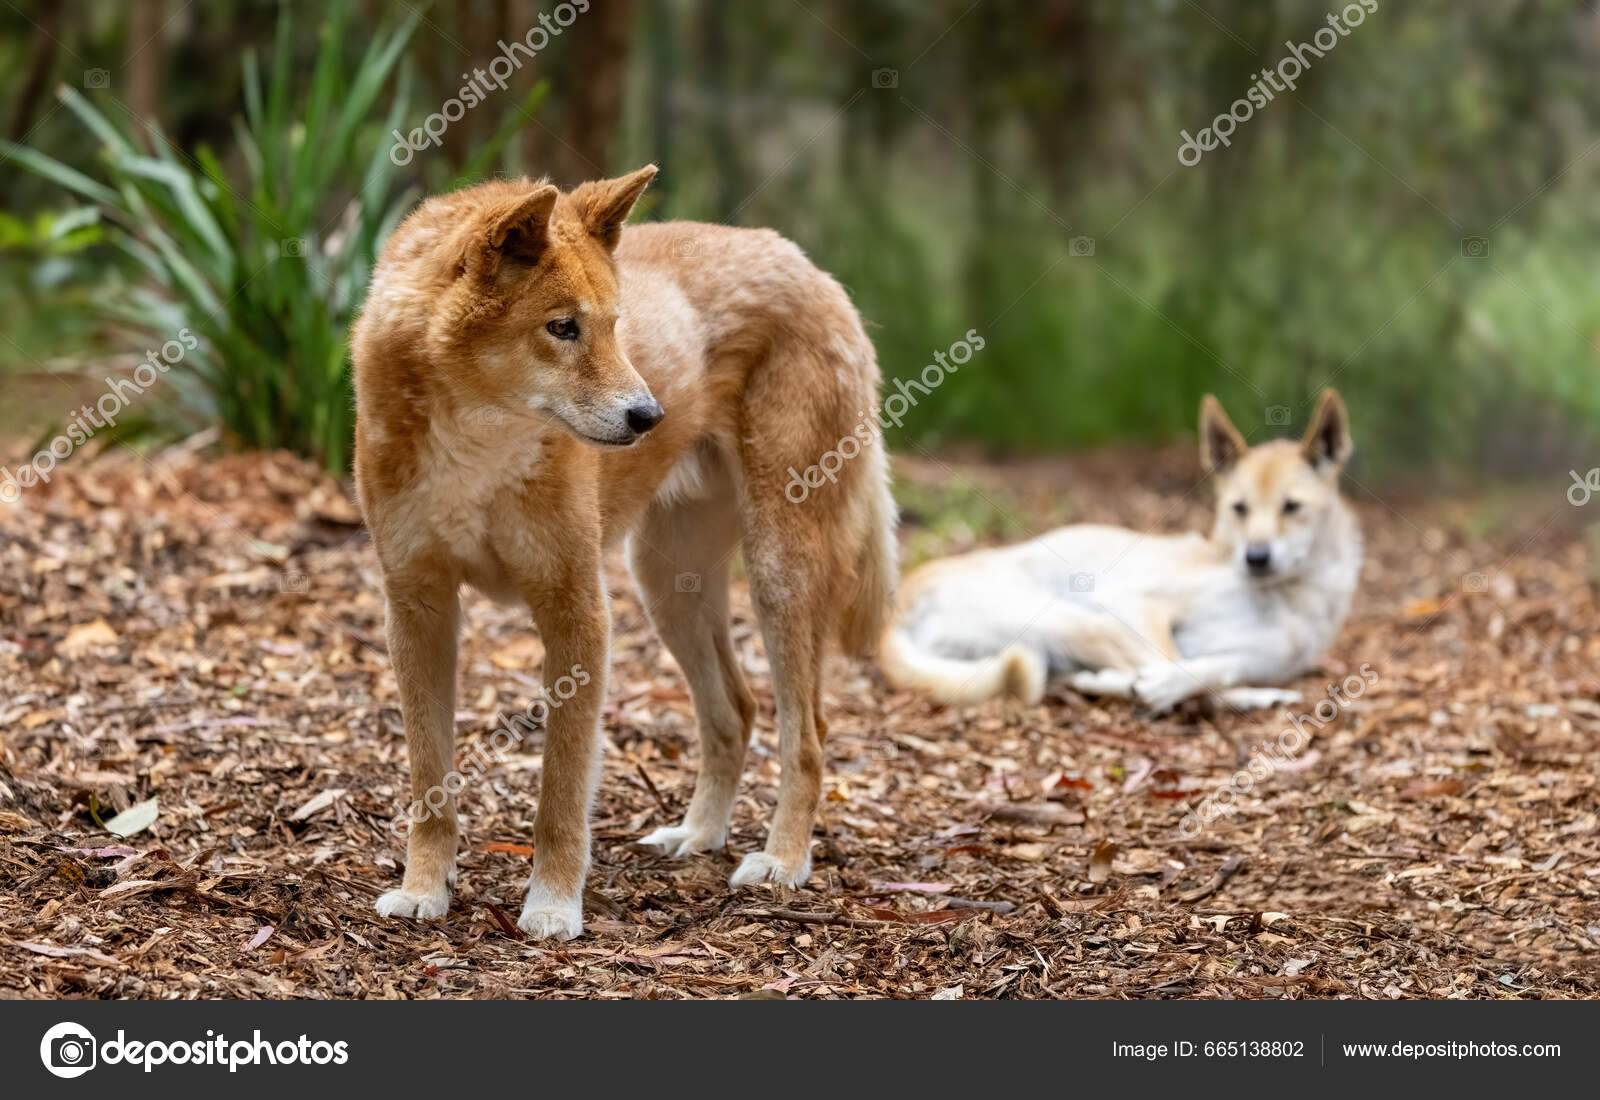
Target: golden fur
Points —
{"points": [[491, 451]]}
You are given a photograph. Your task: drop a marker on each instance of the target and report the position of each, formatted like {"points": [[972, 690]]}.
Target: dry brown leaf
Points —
{"points": [[86, 637], [1100, 860]]}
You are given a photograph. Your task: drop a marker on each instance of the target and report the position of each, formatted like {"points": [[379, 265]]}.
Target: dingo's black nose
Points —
{"points": [[1257, 557], [643, 417]]}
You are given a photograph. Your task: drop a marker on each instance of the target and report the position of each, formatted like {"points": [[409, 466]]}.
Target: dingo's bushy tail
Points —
{"points": [[870, 597], [1016, 670]]}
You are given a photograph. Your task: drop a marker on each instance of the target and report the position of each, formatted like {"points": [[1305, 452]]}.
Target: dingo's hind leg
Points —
{"points": [[679, 556]]}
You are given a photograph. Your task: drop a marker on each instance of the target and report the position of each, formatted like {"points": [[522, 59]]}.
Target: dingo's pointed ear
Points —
{"points": [[604, 204], [1327, 442], [521, 227], [1221, 445]]}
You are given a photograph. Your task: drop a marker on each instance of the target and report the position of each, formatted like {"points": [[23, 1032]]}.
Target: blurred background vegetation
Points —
{"points": [[1414, 224]]}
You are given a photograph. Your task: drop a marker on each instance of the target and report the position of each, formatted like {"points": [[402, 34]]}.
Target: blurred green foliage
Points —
{"points": [[1009, 166], [258, 271]]}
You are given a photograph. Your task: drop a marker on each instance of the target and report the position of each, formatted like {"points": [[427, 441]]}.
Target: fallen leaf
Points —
{"points": [[115, 851], [506, 924], [524, 653], [1421, 609], [1433, 790], [931, 916], [139, 886], [1100, 861], [55, 952], [509, 848], [84, 637], [912, 887], [320, 802], [135, 819], [1035, 813], [15, 823], [260, 937]]}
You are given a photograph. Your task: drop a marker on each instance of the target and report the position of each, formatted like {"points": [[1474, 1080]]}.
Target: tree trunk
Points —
{"points": [[41, 58], [594, 93], [520, 16], [726, 191], [665, 65], [146, 53], [481, 31]]}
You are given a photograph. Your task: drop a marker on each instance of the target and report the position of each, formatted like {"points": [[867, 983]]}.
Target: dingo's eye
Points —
{"points": [[1240, 508], [1290, 507], [563, 328]]}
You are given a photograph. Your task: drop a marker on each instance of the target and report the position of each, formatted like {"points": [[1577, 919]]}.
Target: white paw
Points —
{"points": [[403, 903], [548, 916], [1162, 687], [1247, 698], [685, 840], [1105, 681], [759, 867]]}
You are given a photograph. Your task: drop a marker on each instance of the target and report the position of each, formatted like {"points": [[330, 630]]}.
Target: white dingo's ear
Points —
{"points": [[1221, 445], [1327, 442], [604, 204]]}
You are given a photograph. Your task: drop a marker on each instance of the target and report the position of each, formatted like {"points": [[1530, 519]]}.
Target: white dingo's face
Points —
{"points": [[1273, 499]]}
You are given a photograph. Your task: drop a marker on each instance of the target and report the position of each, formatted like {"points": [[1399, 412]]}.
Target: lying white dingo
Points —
{"points": [[1156, 618]]}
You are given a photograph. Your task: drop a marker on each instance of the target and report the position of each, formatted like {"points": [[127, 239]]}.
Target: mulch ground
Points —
{"points": [[208, 633]]}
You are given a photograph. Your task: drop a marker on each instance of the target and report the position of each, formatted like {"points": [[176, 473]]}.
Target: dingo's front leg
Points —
{"points": [[1164, 685], [422, 623], [575, 628]]}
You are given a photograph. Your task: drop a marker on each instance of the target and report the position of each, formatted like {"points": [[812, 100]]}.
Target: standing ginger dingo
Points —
{"points": [[1158, 618], [535, 382]]}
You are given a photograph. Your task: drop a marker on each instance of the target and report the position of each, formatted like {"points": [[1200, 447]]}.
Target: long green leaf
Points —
{"points": [[57, 173]]}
